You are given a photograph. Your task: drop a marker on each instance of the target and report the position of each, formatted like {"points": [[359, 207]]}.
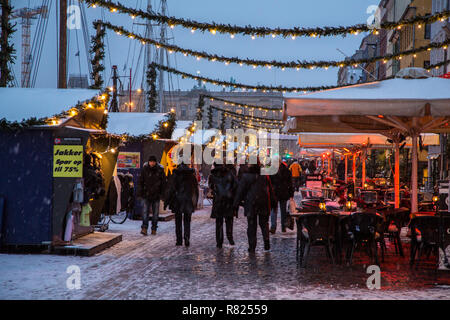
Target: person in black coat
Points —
{"points": [[151, 189], [181, 198], [222, 182], [256, 192], [284, 190]]}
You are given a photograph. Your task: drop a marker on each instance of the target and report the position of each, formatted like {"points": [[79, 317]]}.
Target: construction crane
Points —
{"points": [[27, 15]]}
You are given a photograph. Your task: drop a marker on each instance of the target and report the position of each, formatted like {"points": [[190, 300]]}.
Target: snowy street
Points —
{"points": [[153, 267]]}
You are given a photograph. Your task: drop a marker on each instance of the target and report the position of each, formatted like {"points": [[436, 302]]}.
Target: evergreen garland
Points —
{"points": [[263, 31], [7, 49], [210, 118], [269, 64], [33, 121], [262, 87], [222, 122], [151, 93], [201, 104], [165, 127], [98, 50]]}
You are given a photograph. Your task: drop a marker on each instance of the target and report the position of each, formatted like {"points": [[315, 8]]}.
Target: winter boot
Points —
{"points": [[153, 232], [144, 231], [267, 245]]}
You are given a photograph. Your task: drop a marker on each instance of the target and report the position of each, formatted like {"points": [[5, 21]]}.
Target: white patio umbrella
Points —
{"points": [[396, 108]]}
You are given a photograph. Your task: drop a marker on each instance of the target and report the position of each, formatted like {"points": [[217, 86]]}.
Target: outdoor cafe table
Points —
{"points": [[342, 216]]}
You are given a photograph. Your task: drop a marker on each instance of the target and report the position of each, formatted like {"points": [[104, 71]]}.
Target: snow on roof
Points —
{"points": [[133, 123], [18, 104], [408, 89], [180, 129]]}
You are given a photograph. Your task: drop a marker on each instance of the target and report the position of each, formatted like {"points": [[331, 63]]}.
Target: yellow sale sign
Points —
{"points": [[68, 161]]}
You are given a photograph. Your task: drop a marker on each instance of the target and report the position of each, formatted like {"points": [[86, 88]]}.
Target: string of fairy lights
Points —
{"points": [[261, 32], [97, 102], [252, 121], [272, 64], [236, 115]]}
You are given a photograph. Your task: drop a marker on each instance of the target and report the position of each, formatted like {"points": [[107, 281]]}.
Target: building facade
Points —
{"points": [[185, 104]]}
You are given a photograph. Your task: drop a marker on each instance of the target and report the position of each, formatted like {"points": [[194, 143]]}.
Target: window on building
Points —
{"points": [[183, 112], [426, 64], [428, 31]]}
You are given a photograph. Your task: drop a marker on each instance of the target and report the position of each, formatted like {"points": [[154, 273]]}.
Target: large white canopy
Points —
{"points": [[348, 140], [396, 97]]}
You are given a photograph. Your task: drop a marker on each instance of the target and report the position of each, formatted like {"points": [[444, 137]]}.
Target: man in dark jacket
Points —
{"points": [[182, 197], [258, 196], [151, 189], [284, 190], [222, 182]]}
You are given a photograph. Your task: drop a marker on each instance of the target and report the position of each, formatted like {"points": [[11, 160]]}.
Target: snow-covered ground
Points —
{"points": [[153, 267]]}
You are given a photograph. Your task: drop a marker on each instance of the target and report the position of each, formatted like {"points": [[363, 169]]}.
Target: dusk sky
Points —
{"points": [[269, 13]]}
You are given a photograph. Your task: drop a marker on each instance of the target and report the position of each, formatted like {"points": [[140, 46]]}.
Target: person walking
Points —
{"points": [[284, 190], [181, 198], [296, 171], [151, 186], [255, 190], [222, 182]]}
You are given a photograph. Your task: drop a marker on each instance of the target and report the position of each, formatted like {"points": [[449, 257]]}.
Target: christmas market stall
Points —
{"points": [[57, 161], [143, 135]]}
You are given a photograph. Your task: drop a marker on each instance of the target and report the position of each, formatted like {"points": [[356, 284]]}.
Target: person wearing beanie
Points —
{"points": [[151, 189]]}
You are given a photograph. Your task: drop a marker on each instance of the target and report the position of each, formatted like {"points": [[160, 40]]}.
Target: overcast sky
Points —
{"points": [[270, 13]]}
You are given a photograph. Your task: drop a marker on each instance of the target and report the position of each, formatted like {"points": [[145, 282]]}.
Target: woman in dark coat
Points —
{"points": [[222, 182], [284, 190], [181, 198], [257, 193]]}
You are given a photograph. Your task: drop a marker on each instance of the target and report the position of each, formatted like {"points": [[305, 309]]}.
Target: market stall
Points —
{"points": [[57, 161], [139, 132]]}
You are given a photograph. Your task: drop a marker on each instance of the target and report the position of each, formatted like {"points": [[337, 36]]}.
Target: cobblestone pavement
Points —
{"points": [[153, 267]]}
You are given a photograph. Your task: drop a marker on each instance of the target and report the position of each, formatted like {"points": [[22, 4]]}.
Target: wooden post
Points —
{"points": [[363, 160], [62, 70], [354, 173], [346, 168], [414, 204], [397, 174]]}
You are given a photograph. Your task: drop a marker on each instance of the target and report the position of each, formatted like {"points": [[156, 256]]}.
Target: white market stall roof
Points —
{"points": [[133, 123], [180, 129], [346, 140], [18, 104], [400, 97], [371, 107]]}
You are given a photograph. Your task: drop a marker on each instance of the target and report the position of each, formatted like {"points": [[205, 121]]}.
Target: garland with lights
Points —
{"points": [[165, 127], [248, 117], [222, 122], [7, 49], [99, 102], [263, 31], [201, 104], [210, 118], [243, 86], [98, 49], [151, 93], [242, 105], [271, 64], [262, 87]]}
